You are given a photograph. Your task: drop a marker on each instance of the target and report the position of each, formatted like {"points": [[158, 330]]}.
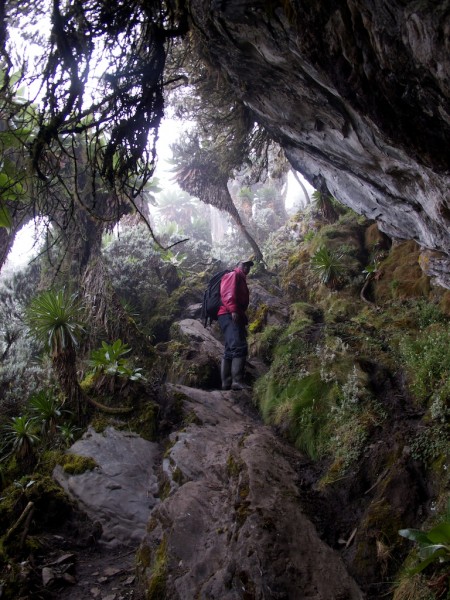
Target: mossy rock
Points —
{"points": [[155, 565], [262, 344], [74, 464], [302, 313], [159, 327], [296, 280], [400, 275], [51, 505], [340, 307]]}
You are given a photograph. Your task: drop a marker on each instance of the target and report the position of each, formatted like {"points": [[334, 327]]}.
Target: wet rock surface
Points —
{"points": [[228, 522], [121, 491], [232, 525]]}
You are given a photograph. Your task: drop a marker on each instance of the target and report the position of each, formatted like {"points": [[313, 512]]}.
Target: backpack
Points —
{"points": [[211, 298]]}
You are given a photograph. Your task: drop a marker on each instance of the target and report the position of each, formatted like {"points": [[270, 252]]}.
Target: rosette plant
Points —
{"points": [[55, 317]]}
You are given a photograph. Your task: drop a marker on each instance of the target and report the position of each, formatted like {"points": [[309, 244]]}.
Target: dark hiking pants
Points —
{"points": [[235, 336]]}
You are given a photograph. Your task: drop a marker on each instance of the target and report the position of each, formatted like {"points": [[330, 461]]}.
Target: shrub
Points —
{"points": [[47, 410], [20, 437]]}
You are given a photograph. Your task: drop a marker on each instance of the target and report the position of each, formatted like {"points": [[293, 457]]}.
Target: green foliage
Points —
{"points": [[326, 205], [17, 122], [298, 405], [175, 259], [156, 587], [5, 217], [433, 545], [55, 318], [431, 443], [427, 359], [109, 359], [328, 266], [428, 314], [20, 373], [371, 269], [47, 410], [67, 433], [315, 393], [263, 343], [20, 437]]}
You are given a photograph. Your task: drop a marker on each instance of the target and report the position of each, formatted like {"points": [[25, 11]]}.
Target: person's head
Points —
{"points": [[246, 265]]}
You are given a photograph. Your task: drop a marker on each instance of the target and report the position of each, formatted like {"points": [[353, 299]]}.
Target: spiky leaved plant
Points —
{"points": [[47, 410], [55, 317], [20, 437], [328, 266], [67, 434]]}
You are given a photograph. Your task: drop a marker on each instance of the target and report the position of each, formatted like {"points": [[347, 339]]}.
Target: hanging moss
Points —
{"points": [[299, 407], [259, 319]]}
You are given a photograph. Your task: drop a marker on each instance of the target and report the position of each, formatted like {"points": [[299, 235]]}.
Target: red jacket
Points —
{"points": [[234, 293]]}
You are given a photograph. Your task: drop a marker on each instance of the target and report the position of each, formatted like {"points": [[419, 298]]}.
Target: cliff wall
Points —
{"points": [[357, 93]]}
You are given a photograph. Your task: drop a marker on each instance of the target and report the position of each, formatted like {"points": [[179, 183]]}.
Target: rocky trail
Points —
{"points": [[222, 508], [216, 515]]}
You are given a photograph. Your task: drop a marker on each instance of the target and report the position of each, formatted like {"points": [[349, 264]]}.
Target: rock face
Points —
{"points": [[122, 490], [232, 526], [357, 93]]}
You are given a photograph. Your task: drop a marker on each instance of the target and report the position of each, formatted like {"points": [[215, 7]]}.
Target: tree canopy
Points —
{"points": [[101, 84]]}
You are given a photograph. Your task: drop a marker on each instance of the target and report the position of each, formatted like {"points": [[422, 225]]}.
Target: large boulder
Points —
{"points": [[121, 491]]}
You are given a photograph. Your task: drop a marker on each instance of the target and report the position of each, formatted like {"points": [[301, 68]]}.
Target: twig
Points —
{"points": [[29, 508], [382, 476], [26, 527], [350, 539]]}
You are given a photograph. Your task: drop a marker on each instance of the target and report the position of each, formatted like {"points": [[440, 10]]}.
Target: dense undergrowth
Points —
{"points": [[357, 379]]}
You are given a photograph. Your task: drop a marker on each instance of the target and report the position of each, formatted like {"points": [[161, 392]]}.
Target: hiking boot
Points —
{"points": [[237, 374], [225, 373]]}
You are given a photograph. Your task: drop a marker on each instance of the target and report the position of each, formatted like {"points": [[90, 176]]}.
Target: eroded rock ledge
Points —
{"points": [[357, 93]]}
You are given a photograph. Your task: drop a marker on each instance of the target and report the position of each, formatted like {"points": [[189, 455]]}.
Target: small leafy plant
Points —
{"points": [[67, 434], [109, 359], [434, 545]]}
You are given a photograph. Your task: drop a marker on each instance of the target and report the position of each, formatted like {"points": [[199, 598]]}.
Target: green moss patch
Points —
{"points": [[75, 464], [400, 275]]}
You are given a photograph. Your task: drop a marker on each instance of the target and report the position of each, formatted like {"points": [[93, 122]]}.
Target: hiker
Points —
{"points": [[233, 320]]}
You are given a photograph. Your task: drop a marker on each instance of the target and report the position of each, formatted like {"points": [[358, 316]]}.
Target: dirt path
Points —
{"points": [[102, 575]]}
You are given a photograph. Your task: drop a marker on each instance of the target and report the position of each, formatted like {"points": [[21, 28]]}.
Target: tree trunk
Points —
{"points": [[301, 184]]}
